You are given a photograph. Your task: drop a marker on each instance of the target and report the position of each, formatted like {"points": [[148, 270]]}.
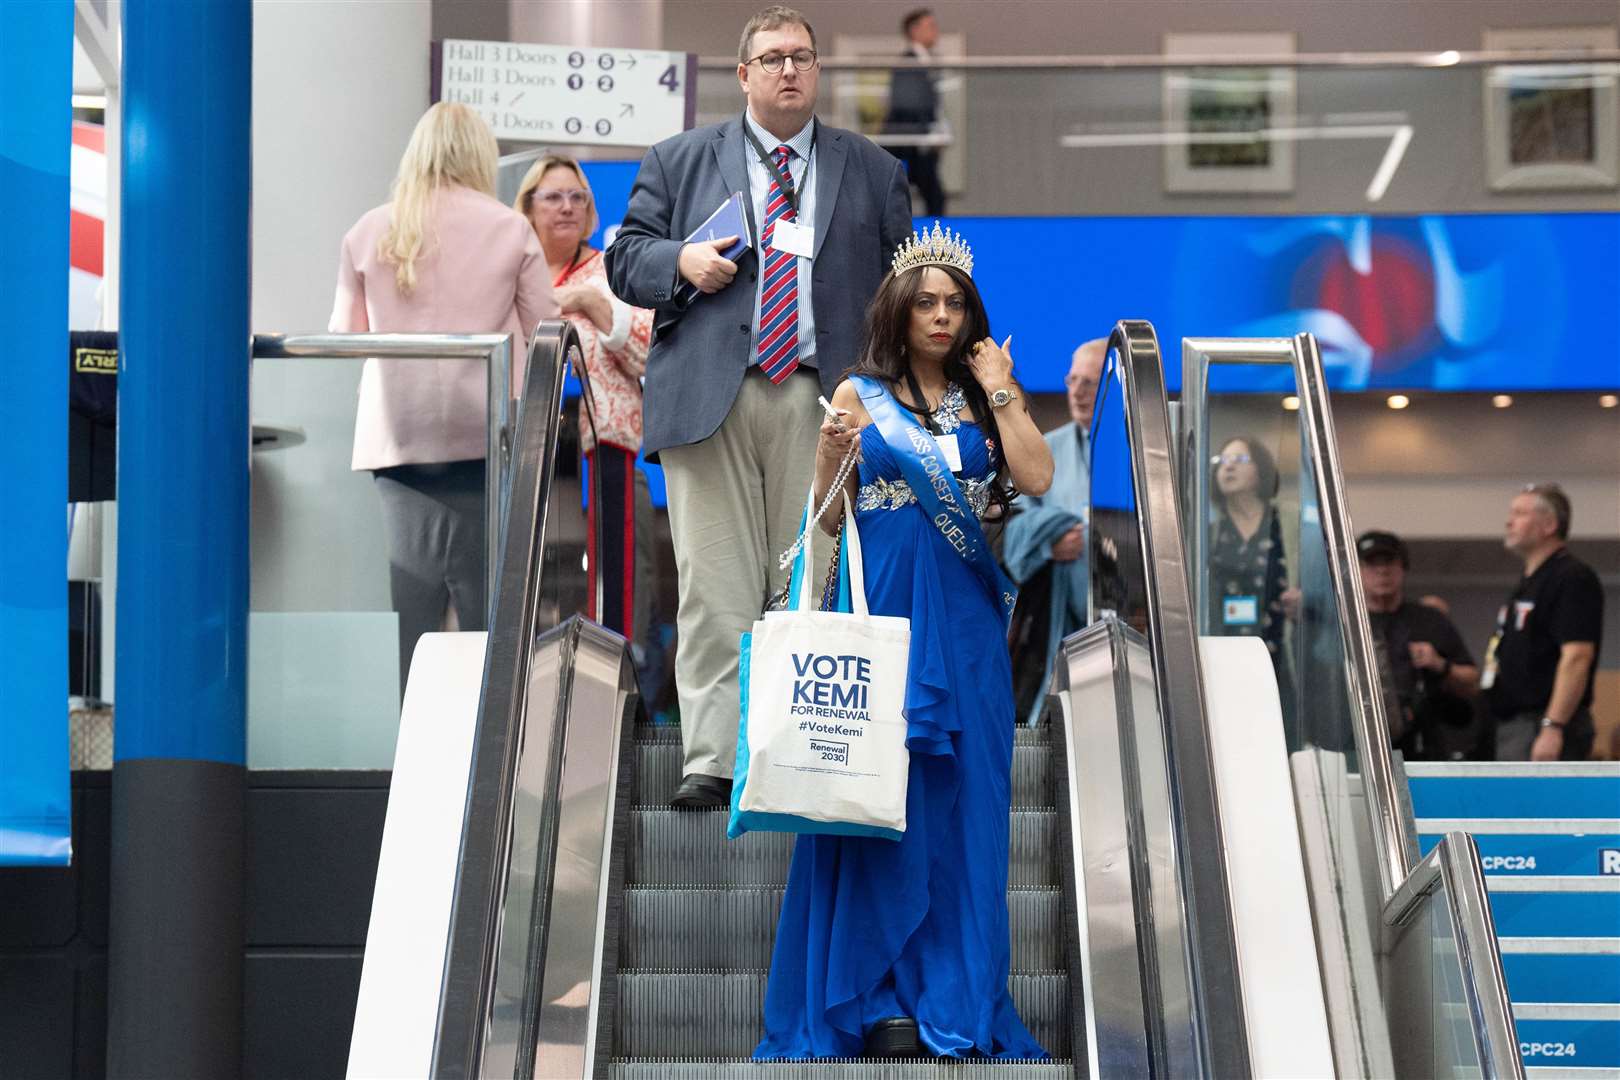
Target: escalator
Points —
{"points": [[595, 932]]}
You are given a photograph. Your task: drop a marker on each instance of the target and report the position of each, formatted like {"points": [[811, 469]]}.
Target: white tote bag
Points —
{"points": [[821, 746]]}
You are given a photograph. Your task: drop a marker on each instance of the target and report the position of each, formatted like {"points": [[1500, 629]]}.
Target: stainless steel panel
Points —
{"points": [[1138, 570], [570, 1001], [1097, 717], [1479, 955], [488, 919]]}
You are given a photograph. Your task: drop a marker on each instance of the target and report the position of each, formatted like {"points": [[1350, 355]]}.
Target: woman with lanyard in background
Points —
{"points": [[613, 338], [899, 948]]}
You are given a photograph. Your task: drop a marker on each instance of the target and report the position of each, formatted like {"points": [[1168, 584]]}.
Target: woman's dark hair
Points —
{"points": [[884, 356], [1264, 465]]}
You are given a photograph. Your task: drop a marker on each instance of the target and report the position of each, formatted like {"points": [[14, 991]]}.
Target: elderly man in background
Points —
{"points": [[1539, 664], [1044, 548]]}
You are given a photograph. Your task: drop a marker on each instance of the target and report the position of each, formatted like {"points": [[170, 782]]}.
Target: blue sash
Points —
{"points": [[937, 491]]}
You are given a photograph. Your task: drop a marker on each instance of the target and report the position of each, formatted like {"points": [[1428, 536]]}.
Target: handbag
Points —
{"points": [[821, 735]]}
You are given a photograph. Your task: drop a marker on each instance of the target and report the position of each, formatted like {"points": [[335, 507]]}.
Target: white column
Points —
{"points": [[624, 24], [337, 87]]}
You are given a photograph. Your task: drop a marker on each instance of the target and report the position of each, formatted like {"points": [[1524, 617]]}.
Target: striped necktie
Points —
{"points": [[779, 300]]}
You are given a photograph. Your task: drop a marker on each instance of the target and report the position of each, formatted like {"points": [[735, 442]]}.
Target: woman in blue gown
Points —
{"points": [[899, 948]]}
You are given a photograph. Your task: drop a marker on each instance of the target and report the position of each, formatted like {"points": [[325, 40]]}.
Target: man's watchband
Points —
{"points": [[1547, 722]]}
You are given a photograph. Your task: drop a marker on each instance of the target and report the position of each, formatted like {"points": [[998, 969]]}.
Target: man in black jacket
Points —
{"points": [[914, 109], [1432, 674]]}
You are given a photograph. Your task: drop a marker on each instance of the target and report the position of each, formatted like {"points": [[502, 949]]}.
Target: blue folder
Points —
{"points": [[729, 219]]}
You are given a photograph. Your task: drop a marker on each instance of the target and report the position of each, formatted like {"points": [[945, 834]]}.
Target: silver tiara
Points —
{"points": [[938, 248]]}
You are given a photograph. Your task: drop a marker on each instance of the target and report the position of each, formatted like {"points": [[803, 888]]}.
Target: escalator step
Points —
{"points": [[719, 1014], [676, 847], [733, 929], [658, 771], [845, 1069]]}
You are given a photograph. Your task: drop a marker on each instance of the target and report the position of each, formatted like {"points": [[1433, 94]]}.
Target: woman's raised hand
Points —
{"points": [[836, 438], [991, 364]]}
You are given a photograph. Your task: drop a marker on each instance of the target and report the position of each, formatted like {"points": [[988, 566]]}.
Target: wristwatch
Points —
{"points": [[1547, 722], [1001, 397]]}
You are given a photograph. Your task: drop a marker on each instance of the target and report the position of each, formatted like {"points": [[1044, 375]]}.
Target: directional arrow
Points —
{"points": [[628, 110], [628, 61]]}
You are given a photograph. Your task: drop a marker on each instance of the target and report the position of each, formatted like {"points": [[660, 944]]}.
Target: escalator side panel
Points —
{"points": [[398, 1003], [1287, 1016], [1094, 710], [1139, 571]]}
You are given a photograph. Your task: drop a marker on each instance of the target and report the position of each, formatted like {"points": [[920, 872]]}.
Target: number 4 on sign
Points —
{"points": [[670, 80]]}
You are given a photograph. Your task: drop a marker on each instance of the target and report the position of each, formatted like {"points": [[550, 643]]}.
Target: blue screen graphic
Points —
{"points": [[1468, 302]]}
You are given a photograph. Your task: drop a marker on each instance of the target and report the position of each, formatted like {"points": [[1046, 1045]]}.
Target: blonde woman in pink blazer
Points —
{"points": [[443, 256]]}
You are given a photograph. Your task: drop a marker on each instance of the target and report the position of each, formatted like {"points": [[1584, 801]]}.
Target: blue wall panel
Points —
{"points": [[36, 82]]}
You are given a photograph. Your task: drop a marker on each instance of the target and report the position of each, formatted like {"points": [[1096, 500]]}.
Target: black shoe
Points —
{"points": [[896, 1037], [700, 792]]}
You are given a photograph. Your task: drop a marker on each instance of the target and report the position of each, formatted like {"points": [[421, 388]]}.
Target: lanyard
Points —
{"points": [[784, 177], [573, 264], [921, 408]]}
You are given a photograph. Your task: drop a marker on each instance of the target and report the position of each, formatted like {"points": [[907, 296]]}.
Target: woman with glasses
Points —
{"points": [[443, 256], [1248, 569], [556, 199]]}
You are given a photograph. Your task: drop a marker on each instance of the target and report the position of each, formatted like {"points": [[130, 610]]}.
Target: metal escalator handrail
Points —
{"points": [[470, 953], [1484, 984], [1395, 859], [1219, 1013], [495, 350], [1404, 879], [1395, 856], [1453, 867]]}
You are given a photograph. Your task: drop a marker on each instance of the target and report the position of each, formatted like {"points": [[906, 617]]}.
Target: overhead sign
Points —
{"points": [[563, 94]]}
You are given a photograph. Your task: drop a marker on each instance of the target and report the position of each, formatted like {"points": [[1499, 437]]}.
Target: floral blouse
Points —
{"points": [[615, 361], [1241, 569]]}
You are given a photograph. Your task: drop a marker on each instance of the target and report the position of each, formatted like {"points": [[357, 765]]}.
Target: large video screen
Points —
{"points": [[1470, 302]]}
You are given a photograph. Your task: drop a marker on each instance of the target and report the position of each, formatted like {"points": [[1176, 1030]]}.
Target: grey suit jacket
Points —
{"points": [[701, 344]]}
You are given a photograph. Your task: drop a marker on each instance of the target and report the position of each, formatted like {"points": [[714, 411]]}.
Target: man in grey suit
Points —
{"points": [[742, 348]]}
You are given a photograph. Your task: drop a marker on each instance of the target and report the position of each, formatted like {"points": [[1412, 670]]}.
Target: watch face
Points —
{"points": [[1001, 397]]}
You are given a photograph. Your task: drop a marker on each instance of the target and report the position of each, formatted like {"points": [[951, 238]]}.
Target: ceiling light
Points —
{"points": [[1609, 401], [1291, 403], [1391, 161], [1398, 401], [1502, 401], [1447, 58]]}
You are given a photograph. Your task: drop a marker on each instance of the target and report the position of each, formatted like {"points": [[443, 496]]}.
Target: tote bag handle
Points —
{"points": [[852, 561]]}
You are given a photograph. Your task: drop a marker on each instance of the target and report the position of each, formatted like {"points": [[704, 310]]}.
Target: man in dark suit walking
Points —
{"points": [[914, 109], [742, 348]]}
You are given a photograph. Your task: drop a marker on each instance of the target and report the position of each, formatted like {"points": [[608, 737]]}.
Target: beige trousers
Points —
{"points": [[735, 500]]}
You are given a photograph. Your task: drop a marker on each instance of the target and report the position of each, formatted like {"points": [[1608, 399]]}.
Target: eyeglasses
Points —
{"points": [[553, 197], [771, 63], [1231, 459]]}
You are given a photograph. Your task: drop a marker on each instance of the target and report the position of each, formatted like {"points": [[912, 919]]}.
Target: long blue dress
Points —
{"points": [[874, 928]]}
